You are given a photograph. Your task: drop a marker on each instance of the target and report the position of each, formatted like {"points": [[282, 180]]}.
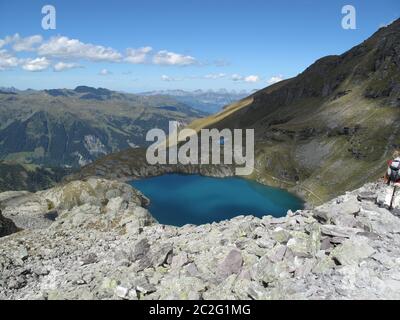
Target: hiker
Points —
{"points": [[393, 173]]}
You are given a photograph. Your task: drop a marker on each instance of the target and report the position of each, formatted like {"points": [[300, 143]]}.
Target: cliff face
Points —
{"points": [[332, 127], [104, 244]]}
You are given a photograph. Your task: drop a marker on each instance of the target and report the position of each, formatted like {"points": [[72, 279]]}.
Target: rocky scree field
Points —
{"points": [[95, 239]]}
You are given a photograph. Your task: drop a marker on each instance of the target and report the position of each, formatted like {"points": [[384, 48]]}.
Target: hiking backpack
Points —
{"points": [[393, 170]]}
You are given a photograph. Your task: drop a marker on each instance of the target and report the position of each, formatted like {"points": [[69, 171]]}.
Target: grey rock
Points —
{"points": [[162, 255], [339, 231], [7, 226], [179, 260], [141, 249], [231, 264], [352, 251], [367, 196], [89, 259]]}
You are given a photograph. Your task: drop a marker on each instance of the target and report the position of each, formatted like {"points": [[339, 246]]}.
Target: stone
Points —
{"points": [[326, 244], [179, 260], [345, 221], [7, 226], [89, 259], [232, 264], [192, 270], [352, 251], [367, 196], [267, 271], [303, 267], [161, 255], [142, 285], [321, 214], [339, 231], [314, 240], [350, 207], [280, 235], [384, 198], [121, 292], [141, 249], [303, 245], [324, 264], [277, 253]]}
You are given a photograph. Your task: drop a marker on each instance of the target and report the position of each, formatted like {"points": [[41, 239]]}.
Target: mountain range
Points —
{"points": [[64, 127], [209, 101]]}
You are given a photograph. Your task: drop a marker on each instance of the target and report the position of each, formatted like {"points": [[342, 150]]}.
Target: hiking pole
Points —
{"points": [[391, 201]]}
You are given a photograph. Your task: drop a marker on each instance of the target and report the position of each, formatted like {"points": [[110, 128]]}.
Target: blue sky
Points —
{"points": [[168, 44]]}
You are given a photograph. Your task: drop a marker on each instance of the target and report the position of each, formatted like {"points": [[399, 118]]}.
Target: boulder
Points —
{"points": [[7, 226], [339, 231], [267, 271], [280, 235], [179, 260], [367, 196], [277, 253], [352, 251], [232, 264]]}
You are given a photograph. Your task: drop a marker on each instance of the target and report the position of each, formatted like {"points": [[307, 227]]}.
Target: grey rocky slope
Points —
{"points": [[104, 244]]}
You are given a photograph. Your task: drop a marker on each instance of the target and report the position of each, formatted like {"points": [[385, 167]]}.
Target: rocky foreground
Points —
{"points": [[94, 239]]}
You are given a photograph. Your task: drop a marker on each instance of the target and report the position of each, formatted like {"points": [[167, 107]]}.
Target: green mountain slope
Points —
{"points": [[32, 178], [62, 127], [332, 127]]}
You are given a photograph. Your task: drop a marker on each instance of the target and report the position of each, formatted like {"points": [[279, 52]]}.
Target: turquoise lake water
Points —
{"points": [[193, 199]]}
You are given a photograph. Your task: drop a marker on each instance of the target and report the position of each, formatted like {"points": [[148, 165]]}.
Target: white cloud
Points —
{"points": [[252, 79], [62, 66], [22, 44], [26, 44], [164, 57], [215, 76], [38, 64], [64, 47], [104, 72], [74, 50], [275, 79], [169, 79], [137, 56], [3, 42], [237, 77], [7, 61], [6, 40]]}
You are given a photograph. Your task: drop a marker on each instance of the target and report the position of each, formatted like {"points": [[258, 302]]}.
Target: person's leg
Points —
{"points": [[387, 179]]}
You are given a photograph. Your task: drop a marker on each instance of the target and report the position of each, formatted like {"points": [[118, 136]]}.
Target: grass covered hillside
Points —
{"points": [[32, 178]]}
